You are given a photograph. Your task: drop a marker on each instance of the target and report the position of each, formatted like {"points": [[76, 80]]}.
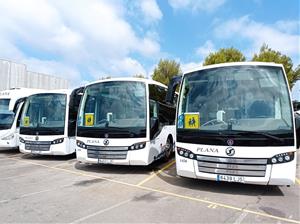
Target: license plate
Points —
{"points": [[105, 161], [35, 151], [227, 178]]}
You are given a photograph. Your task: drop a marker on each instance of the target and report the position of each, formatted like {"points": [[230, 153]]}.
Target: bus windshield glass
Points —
{"points": [[4, 104], [45, 111], [115, 106], [6, 119], [236, 98]]}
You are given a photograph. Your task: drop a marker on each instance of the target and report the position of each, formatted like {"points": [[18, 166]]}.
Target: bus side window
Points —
{"points": [[73, 109], [19, 116], [154, 121]]}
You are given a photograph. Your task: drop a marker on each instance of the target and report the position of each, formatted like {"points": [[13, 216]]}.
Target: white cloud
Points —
{"points": [[70, 36], [206, 49], [196, 5], [126, 67], [52, 67], [258, 33], [189, 65], [151, 10], [288, 26]]}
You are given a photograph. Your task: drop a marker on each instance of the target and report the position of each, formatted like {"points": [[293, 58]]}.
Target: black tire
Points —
{"points": [[169, 149]]}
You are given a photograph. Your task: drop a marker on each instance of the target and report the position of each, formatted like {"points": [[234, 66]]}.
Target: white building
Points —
{"points": [[14, 75]]}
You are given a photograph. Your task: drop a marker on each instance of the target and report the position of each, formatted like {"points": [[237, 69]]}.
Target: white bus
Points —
{"points": [[125, 121], [11, 102], [48, 122], [235, 123]]}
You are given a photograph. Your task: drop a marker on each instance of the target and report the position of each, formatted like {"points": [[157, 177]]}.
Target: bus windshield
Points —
{"points": [[235, 98], [6, 119], [45, 111], [116, 107], [4, 104]]}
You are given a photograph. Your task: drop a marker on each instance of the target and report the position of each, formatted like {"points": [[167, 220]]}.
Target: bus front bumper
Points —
{"points": [[276, 174], [9, 143], [140, 157], [58, 149]]}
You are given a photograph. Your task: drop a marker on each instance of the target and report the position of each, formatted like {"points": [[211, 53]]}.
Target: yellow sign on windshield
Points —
{"points": [[191, 120], [89, 119], [26, 121]]}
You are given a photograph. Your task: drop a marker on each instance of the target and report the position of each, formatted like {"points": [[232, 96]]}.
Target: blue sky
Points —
{"points": [[86, 40]]}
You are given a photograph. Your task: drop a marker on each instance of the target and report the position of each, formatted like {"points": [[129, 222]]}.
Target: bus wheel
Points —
{"points": [[168, 149]]}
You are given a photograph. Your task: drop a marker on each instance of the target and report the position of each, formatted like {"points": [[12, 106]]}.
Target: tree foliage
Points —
{"points": [[165, 70], [266, 54], [139, 76], [224, 55]]}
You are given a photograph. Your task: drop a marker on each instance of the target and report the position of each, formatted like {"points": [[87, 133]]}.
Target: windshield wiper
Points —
{"points": [[270, 136]]}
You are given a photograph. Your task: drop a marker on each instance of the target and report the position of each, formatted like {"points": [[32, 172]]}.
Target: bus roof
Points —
{"points": [[251, 63], [146, 81], [59, 91]]}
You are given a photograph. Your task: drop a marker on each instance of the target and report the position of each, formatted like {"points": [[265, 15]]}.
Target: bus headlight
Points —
{"points": [[185, 153], [81, 144], [137, 146], [57, 141], [8, 137], [21, 140], [282, 158]]}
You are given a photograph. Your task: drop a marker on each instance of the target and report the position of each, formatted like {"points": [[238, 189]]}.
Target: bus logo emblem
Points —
{"points": [[105, 142], [230, 151], [37, 136], [230, 142]]}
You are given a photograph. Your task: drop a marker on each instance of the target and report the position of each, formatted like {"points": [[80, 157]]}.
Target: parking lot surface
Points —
{"points": [[60, 189]]}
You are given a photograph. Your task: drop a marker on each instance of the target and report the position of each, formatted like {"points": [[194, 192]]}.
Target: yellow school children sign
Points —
{"points": [[26, 121], [191, 120], [89, 119]]}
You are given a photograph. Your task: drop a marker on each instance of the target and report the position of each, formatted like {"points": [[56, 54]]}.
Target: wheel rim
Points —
{"points": [[169, 148]]}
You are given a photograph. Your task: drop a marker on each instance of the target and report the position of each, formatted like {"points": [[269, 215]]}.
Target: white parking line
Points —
{"points": [[33, 193], [185, 197], [101, 211], [241, 217]]}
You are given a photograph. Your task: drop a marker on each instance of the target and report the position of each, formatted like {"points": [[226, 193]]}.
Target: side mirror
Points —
{"points": [[174, 82], [154, 123], [297, 127], [154, 127], [296, 105]]}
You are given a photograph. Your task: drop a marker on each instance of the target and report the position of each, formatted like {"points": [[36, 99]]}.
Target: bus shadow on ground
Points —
{"points": [[120, 169], [9, 152], [219, 186], [48, 157]]}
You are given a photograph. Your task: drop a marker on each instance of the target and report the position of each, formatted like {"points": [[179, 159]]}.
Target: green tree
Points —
{"points": [[165, 70], [105, 77], [296, 73], [224, 55], [139, 76], [266, 54]]}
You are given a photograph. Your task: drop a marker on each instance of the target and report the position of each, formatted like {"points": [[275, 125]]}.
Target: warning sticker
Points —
{"points": [[26, 121], [191, 120], [89, 119], [180, 121]]}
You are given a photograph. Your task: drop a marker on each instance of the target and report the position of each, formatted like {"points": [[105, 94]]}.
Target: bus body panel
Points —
{"points": [[136, 157], [65, 148], [9, 138], [189, 167], [152, 151], [280, 144], [68, 146], [154, 146]]}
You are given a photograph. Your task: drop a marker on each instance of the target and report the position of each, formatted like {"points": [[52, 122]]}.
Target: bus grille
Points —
{"points": [[98, 152], [250, 167], [37, 145]]}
